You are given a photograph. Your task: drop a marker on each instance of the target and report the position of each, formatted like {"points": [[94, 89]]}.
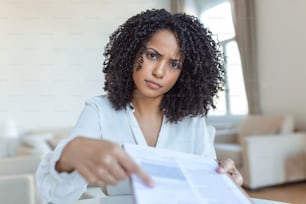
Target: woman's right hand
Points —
{"points": [[99, 162]]}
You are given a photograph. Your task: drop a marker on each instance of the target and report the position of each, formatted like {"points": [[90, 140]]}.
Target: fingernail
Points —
{"points": [[151, 183]]}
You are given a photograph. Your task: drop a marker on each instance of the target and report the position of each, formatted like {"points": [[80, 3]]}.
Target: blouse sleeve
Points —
{"points": [[207, 148], [55, 187], [211, 132]]}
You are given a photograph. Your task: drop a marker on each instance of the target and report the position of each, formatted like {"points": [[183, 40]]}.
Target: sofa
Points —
{"points": [[17, 189], [17, 183], [266, 150]]}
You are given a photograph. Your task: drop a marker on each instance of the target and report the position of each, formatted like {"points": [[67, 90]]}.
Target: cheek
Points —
{"points": [[175, 77], [172, 80], [138, 75]]}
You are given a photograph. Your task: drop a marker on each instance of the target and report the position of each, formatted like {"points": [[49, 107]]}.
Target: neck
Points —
{"points": [[147, 106]]}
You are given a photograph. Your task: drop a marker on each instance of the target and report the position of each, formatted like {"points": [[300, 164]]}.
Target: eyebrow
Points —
{"points": [[156, 52]]}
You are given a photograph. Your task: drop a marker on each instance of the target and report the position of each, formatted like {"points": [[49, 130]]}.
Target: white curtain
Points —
{"points": [[191, 7], [177, 6], [243, 12]]}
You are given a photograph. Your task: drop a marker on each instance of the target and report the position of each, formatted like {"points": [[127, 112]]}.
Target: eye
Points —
{"points": [[152, 55], [175, 65]]}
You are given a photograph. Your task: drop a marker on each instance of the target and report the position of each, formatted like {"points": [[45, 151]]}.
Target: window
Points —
{"points": [[232, 101]]}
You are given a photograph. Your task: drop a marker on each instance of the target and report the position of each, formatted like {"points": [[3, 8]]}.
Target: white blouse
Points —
{"points": [[100, 120]]}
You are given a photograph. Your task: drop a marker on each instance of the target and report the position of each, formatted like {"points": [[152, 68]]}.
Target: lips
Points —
{"points": [[153, 85]]}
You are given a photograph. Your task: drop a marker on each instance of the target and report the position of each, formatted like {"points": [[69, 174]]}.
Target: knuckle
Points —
{"points": [[101, 172], [124, 176], [121, 176], [92, 180], [132, 169], [116, 150], [110, 180], [230, 162], [106, 160]]}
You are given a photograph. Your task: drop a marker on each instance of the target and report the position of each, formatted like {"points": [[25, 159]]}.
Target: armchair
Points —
{"points": [[17, 183], [266, 150], [17, 189]]}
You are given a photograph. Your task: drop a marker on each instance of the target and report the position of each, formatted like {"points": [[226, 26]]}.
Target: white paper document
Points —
{"points": [[182, 178]]}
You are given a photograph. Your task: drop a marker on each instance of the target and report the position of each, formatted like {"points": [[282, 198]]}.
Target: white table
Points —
{"points": [[129, 200]]}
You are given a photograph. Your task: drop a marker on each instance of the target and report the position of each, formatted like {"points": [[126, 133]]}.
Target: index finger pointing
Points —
{"points": [[132, 167]]}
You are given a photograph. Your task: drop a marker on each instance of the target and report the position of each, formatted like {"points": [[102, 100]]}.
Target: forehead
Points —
{"points": [[165, 42]]}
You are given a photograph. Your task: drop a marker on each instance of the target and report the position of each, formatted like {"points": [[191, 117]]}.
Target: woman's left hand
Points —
{"points": [[228, 166]]}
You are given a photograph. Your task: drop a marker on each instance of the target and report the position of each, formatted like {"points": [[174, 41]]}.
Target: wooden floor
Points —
{"points": [[294, 193]]}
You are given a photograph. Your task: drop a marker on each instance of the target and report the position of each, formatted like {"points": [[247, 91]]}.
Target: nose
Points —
{"points": [[159, 70]]}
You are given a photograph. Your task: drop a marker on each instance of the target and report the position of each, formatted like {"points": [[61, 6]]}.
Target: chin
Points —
{"points": [[149, 94]]}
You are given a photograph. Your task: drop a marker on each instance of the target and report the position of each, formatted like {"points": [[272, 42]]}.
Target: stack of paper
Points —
{"points": [[182, 178]]}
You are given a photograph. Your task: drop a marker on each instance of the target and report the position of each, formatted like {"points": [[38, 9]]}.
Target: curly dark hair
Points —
{"points": [[202, 75]]}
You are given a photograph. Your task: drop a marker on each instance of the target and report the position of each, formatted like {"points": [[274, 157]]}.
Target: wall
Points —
{"points": [[51, 55], [281, 32]]}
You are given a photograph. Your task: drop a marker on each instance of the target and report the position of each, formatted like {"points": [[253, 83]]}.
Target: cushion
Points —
{"points": [[19, 165], [265, 125], [56, 135], [37, 142]]}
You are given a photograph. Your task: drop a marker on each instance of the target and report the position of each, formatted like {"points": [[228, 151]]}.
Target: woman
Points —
{"points": [[162, 72]]}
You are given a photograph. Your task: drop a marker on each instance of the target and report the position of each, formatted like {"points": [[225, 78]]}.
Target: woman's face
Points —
{"points": [[161, 66]]}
